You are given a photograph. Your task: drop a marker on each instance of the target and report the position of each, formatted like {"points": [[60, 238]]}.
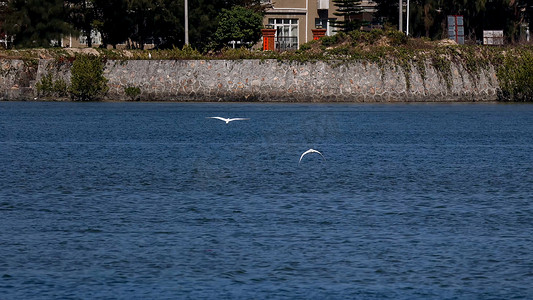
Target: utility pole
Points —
{"points": [[407, 29], [186, 22], [400, 9]]}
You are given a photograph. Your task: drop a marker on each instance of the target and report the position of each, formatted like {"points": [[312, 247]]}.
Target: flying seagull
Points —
{"points": [[227, 120], [311, 151]]}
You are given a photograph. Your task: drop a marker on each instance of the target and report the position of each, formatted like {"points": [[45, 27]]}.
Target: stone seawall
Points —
{"points": [[268, 81], [17, 79]]}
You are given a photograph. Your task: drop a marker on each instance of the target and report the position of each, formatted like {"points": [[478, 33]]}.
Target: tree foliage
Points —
{"points": [[112, 21], [238, 24], [349, 11], [515, 75], [428, 17], [87, 81], [4, 11], [35, 23], [82, 14]]}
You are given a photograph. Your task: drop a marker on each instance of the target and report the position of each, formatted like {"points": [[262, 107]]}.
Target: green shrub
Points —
{"points": [[235, 54], [133, 92], [343, 51], [188, 52], [305, 47], [48, 87], [396, 37], [60, 87], [375, 35], [87, 78], [515, 76], [442, 64], [45, 85], [328, 41], [237, 24]]}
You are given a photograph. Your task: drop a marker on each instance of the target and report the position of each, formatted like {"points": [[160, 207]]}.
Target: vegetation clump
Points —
{"points": [[47, 87], [133, 92], [238, 24], [515, 75], [87, 80]]}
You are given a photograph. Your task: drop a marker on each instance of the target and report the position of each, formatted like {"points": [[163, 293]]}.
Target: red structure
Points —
{"points": [[268, 39], [456, 29], [318, 33]]}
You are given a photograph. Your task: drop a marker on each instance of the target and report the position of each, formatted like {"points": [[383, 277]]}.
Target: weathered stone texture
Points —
{"points": [[270, 80], [17, 79]]}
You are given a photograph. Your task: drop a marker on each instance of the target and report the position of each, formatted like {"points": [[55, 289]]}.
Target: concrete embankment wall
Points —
{"points": [[268, 80]]}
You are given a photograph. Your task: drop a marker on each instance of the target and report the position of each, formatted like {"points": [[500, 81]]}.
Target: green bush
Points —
{"points": [[188, 52], [331, 40], [133, 92], [45, 85], [357, 37], [60, 87], [237, 24], [304, 47], [87, 80], [48, 87], [515, 76], [397, 37]]}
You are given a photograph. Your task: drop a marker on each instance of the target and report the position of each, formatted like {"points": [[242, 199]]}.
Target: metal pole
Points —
{"points": [[407, 29], [400, 9], [186, 22]]}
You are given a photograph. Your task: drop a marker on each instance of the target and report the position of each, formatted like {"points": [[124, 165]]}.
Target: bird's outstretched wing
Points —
{"points": [[218, 118], [227, 120], [310, 151]]}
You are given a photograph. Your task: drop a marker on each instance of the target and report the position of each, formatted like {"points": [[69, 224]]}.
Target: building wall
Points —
{"points": [[307, 11]]}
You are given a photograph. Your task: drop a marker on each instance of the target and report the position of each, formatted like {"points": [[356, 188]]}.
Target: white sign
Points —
{"points": [[492, 37]]}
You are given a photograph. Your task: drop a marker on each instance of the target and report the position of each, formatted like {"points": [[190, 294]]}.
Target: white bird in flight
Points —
{"points": [[227, 120], [311, 151]]}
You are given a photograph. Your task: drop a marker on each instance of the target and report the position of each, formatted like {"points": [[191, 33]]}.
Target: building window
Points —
{"points": [[286, 33], [327, 24]]}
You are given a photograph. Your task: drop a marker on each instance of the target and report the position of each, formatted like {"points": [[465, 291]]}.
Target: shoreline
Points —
{"points": [[495, 102]]}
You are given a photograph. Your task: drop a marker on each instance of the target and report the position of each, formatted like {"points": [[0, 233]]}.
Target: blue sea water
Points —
{"points": [[156, 201]]}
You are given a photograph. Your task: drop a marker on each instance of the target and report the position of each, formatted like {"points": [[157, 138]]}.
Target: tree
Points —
{"points": [[36, 23], [142, 14], [517, 15], [428, 17], [387, 11], [82, 16], [473, 12], [3, 14], [87, 81], [425, 18], [238, 24], [169, 28], [255, 5], [163, 20], [349, 10], [203, 21], [112, 21]]}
